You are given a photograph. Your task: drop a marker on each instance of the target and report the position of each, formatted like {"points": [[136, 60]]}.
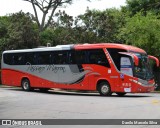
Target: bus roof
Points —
{"points": [[110, 45], [81, 46], [56, 48]]}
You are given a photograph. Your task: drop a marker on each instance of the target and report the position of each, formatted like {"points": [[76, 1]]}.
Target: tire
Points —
{"points": [[26, 85], [121, 94], [104, 89], [44, 89]]}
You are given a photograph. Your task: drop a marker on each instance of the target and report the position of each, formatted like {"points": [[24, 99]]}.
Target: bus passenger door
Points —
{"points": [[126, 71], [126, 66]]}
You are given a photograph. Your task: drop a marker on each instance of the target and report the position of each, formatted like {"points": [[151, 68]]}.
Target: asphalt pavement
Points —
{"points": [[59, 104]]}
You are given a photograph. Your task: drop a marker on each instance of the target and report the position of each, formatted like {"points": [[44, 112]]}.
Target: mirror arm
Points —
{"points": [[136, 59], [154, 58]]}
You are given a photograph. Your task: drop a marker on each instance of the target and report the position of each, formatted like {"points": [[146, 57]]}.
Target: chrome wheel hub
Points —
{"points": [[104, 89], [25, 85]]}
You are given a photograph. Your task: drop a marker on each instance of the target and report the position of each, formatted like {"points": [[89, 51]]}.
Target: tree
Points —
{"points": [[104, 24], [66, 30], [143, 31], [92, 27], [4, 23], [18, 31], [21, 32], [59, 31], [3, 30], [135, 6], [45, 6]]}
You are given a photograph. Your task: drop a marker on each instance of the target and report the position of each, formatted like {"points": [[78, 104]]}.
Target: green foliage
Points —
{"points": [[64, 20], [143, 31], [92, 27], [47, 36], [46, 7], [21, 32], [4, 23], [135, 6], [17, 31], [3, 30], [103, 24]]}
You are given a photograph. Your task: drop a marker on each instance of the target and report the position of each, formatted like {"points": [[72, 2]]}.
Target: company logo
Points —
{"points": [[6, 122]]}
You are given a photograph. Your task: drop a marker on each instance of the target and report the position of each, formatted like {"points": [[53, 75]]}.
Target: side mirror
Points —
{"points": [[154, 58], [136, 59]]}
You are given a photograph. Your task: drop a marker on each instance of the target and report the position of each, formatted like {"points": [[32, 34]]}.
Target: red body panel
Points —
{"points": [[13, 78], [118, 84]]}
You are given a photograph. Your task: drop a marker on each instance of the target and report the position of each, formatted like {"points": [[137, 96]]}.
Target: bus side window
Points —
{"points": [[71, 56], [114, 53], [97, 56], [18, 59], [14, 59], [44, 58], [7, 57], [60, 57], [80, 57], [30, 59]]}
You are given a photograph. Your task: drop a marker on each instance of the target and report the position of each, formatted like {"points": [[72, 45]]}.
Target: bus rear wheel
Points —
{"points": [[104, 89], [121, 94], [26, 85]]}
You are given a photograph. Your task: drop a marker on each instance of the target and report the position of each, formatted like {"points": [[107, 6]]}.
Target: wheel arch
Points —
{"points": [[100, 81]]}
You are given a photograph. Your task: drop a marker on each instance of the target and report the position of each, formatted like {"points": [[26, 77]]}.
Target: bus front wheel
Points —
{"points": [[26, 85], [104, 89]]}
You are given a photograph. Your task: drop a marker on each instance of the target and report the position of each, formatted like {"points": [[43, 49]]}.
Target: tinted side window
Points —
{"points": [[80, 57], [72, 58], [14, 58], [30, 58], [7, 57], [97, 56], [44, 58], [77, 57], [18, 59], [114, 53], [60, 57]]}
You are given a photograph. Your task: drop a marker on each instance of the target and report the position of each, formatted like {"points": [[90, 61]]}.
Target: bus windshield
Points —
{"points": [[143, 70]]}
